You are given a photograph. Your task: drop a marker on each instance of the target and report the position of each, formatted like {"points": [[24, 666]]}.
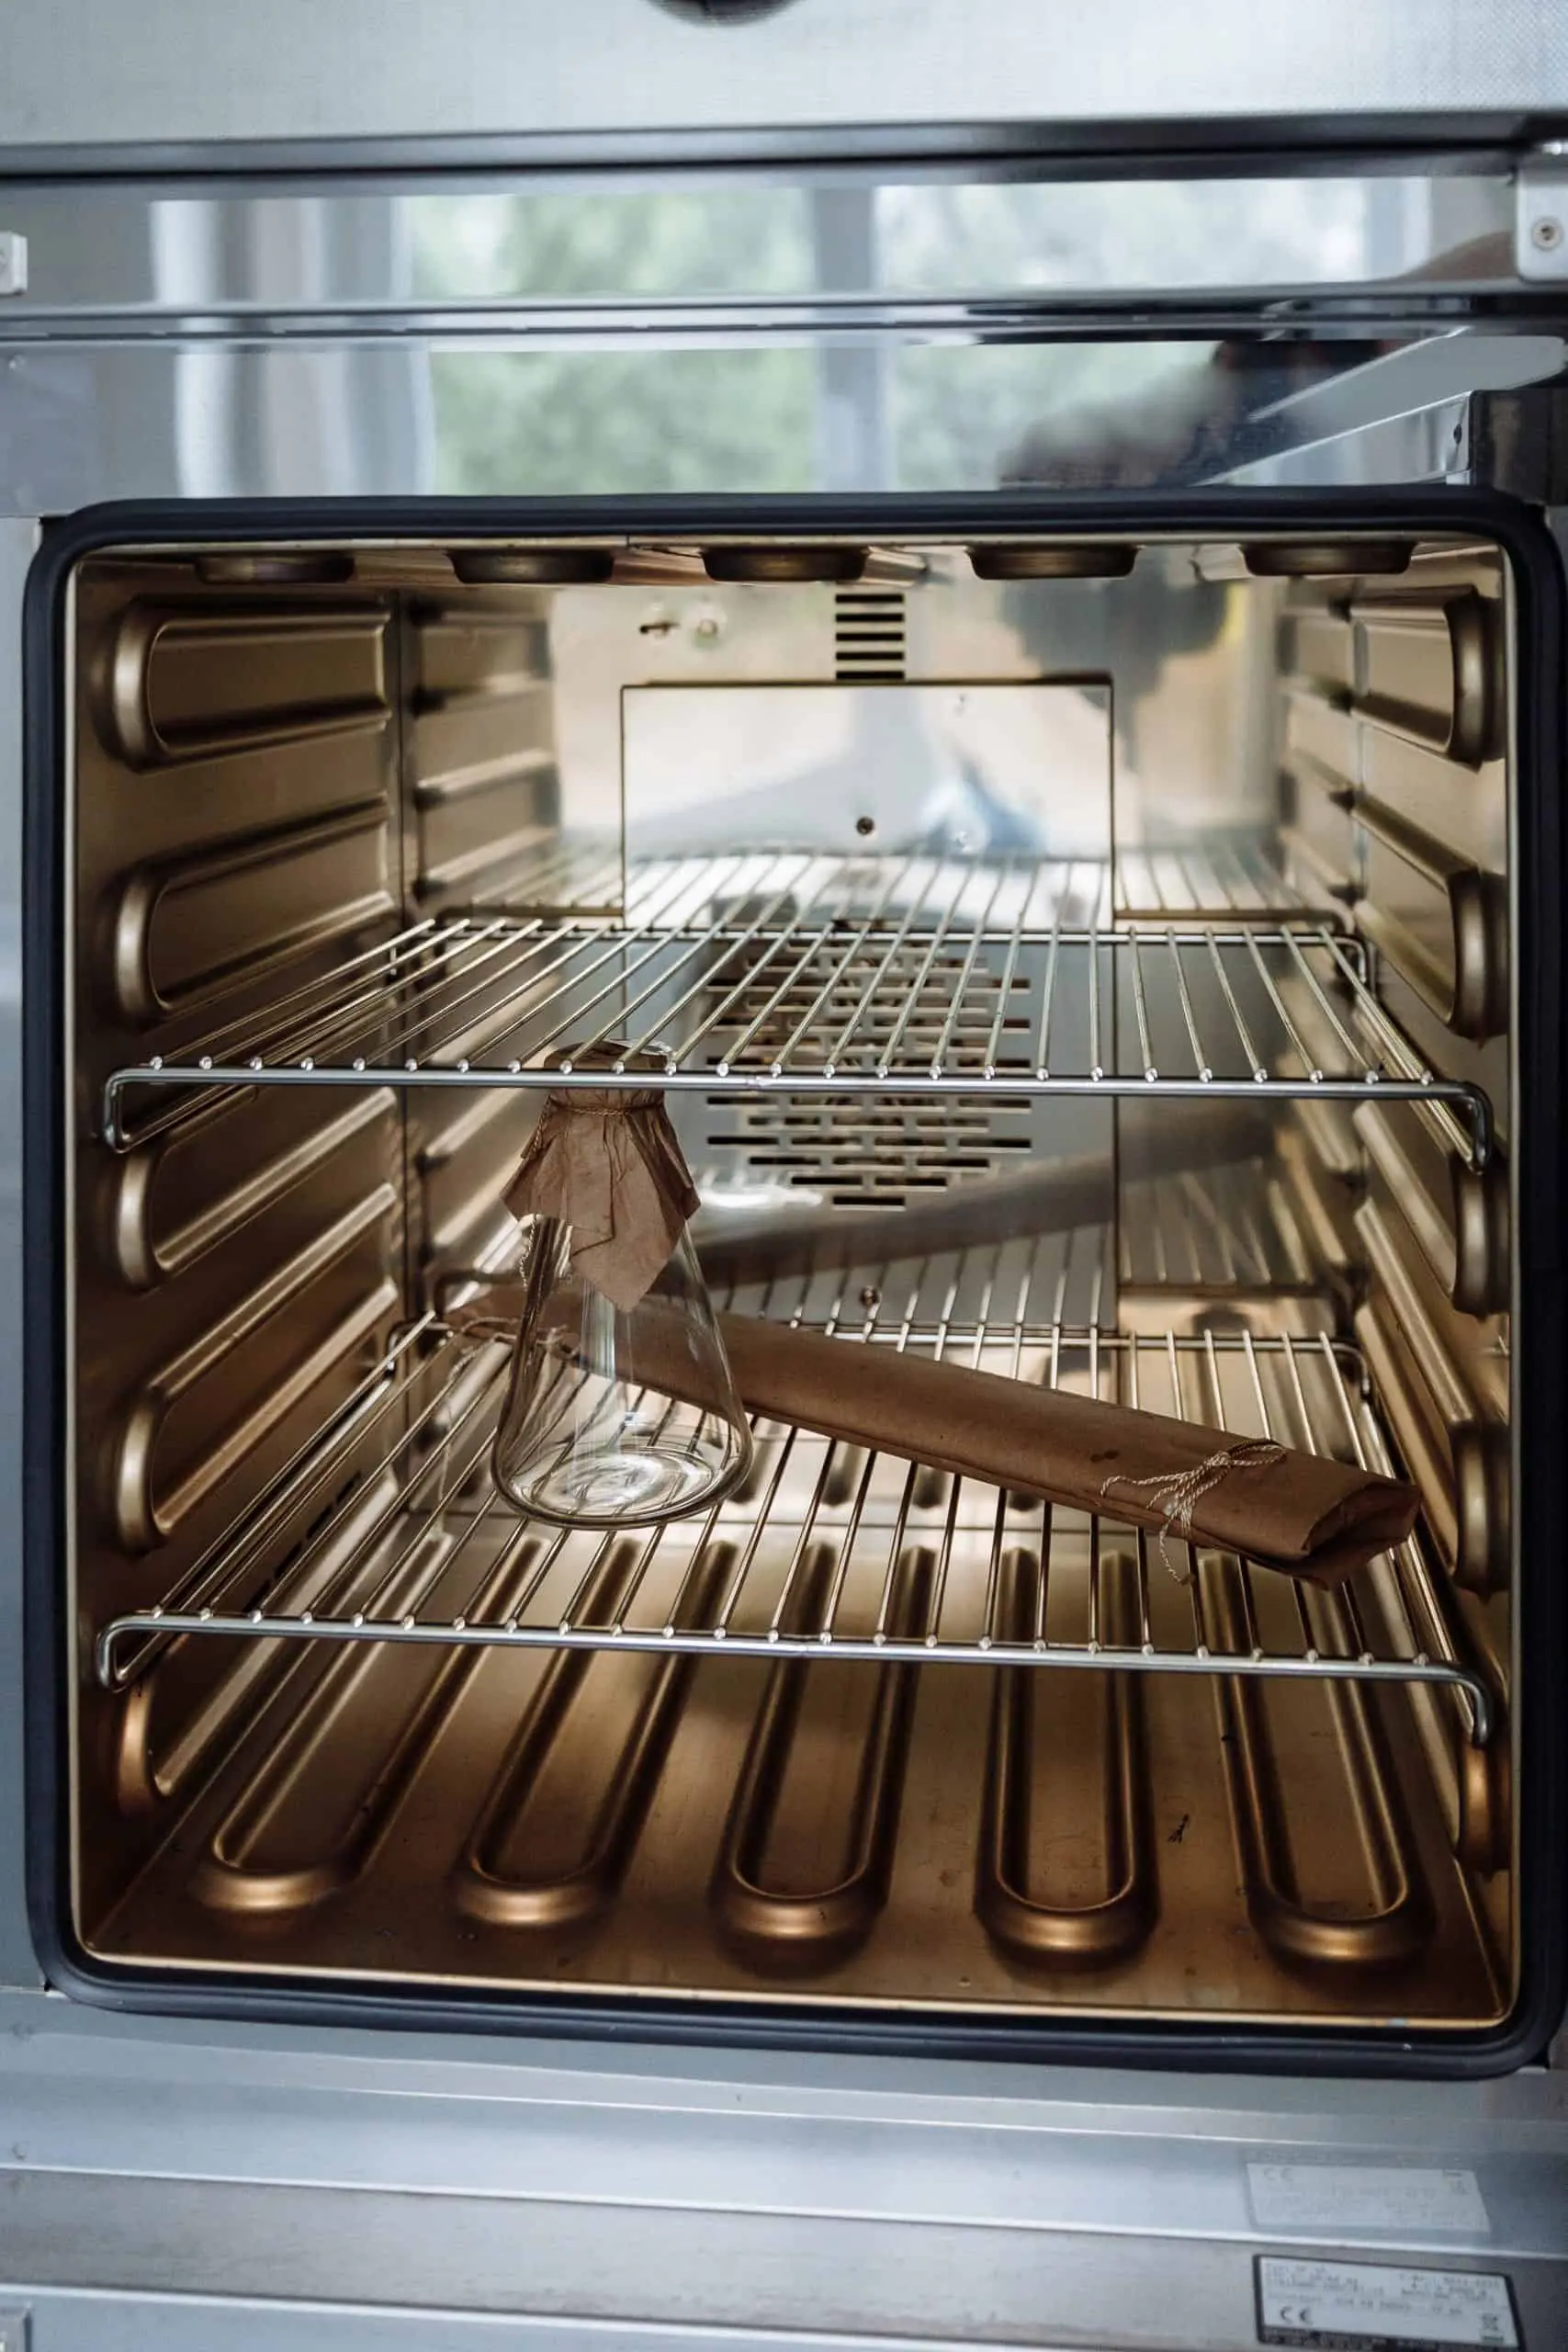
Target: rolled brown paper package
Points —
{"points": [[1300, 1513]]}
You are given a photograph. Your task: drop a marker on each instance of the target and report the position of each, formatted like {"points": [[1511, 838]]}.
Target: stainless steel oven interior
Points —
{"points": [[1088, 960]]}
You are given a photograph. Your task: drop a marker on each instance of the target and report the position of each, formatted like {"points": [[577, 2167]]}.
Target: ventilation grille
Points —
{"points": [[885, 1151], [869, 633], [881, 1154]]}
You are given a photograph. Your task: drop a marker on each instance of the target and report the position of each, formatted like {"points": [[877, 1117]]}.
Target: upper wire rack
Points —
{"points": [[910, 975]]}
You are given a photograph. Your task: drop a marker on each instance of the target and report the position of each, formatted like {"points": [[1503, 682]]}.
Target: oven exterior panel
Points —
{"points": [[514, 78], [1133, 2186], [1220, 513], [454, 2182]]}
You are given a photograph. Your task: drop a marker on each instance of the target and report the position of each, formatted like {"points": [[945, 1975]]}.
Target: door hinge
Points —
{"points": [[1540, 215], [13, 262]]}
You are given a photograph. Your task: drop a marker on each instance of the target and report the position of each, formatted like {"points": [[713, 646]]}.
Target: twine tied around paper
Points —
{"points": [[609, 1168], [1178, 1493]]}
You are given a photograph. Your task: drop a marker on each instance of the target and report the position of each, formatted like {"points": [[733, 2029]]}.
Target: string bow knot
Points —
{"points": [[1178, 1493]]}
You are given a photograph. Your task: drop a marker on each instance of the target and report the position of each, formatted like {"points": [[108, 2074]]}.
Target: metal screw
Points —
{"points": [[865, 825], [1546, 233]]}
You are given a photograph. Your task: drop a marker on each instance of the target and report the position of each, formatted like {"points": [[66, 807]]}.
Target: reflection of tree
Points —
{"points": [[577, 244], [1087, 411], [744, 416], [592, 420], [1133, 233], [605, 421]]}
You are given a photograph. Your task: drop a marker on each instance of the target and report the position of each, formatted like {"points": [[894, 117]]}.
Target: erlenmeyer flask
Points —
{"points": [[621, 1408], [593, 1433]]}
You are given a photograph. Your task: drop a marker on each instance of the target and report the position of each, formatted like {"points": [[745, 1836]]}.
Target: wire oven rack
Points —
{"points": [[816, 1556], [915, 975]]}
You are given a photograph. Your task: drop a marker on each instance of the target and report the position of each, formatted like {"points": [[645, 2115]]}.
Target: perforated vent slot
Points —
{"points": [[885, 1151], [869, 632], [870, 1155]]}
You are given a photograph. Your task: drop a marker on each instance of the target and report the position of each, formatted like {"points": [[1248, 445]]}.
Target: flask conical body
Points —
{"points": [[586, 1438]]}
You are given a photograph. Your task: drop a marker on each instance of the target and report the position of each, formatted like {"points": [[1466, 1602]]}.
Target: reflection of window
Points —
{"points": [[597, 420], [1113, 233], [739, 412], [575, 244], [600, 422], [718, 238]]}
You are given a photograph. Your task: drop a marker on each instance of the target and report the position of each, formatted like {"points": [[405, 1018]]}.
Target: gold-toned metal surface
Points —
{"points": [[483, 807], [498, 1879], [1431, 667], [237, 752], [1026, 1926], [1393, 1920], [1439, 919], [1319, 1193], [172, 1203], [180, 1434], [813, 1926], [533, 566], [274, 567], [1218, 1230], [1203, 1958], [1458, 1215], [187, 928], [1459, 1457], [785, 559], [1326, 559], [1483, 1838], [1053, 559], [1396, 710], [304, 1827], [276, 772], [187, 682]]}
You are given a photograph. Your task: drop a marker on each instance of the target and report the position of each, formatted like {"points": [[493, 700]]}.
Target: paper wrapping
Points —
{"points": [[1299, 1512], [1302, 1513], [608, 1166]]}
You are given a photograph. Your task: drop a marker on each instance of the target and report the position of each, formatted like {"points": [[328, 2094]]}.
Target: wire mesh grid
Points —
{"points": [[914, 975], [406, 1535]]}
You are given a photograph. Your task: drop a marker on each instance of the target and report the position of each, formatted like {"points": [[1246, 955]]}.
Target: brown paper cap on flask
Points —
{"points": [[607, 1164]]}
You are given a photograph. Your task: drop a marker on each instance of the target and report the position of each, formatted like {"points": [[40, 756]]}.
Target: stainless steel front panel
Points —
{"points": [[467, 2190], [517, 75], [886, 331]]}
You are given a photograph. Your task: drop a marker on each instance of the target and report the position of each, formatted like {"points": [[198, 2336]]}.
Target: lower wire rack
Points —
{"points": [[826, 1551]]}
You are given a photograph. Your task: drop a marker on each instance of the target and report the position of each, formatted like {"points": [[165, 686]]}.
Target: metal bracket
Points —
{"points": [[14, 2331], [1541, 216], [13, 262]]}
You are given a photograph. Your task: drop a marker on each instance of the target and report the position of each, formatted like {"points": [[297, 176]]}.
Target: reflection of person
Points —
{"points": [[1196, 424], [1127, 629], [1220, 413]]}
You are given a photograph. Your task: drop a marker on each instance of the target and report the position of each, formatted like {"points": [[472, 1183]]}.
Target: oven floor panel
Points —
{"points": [[401, 1812]]}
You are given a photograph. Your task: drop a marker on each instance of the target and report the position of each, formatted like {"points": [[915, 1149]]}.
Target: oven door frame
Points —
{"points": [[1541, 1362]]}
